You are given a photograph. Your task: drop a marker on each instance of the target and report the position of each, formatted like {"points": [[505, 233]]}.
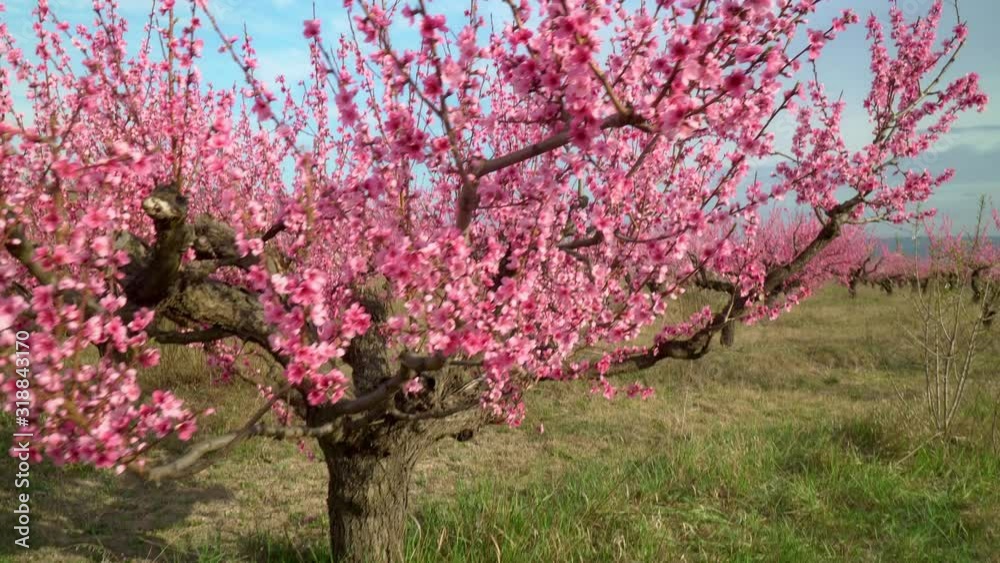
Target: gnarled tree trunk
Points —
{"points": [[368, 494]]}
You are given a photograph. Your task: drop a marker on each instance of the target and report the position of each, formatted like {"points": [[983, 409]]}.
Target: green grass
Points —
{"points": [[780, 493], [798, 444], [757, 494]]}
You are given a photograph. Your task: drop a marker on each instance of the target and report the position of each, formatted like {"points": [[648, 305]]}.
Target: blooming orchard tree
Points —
{"points": [[413, 237], [757, 251], [961, 258], [898, 269], [966, 257]]}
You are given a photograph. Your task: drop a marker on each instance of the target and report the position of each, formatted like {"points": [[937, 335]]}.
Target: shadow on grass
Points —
{"points": [[96, 515]]}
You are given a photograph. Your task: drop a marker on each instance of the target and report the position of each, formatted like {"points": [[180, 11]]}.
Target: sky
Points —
{"points": [[972, 149]]}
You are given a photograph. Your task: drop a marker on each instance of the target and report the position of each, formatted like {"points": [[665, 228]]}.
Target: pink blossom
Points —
{"points": [[311, 29], [356, 321]]}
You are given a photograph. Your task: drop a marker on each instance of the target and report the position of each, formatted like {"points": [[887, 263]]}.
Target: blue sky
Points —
{"points": [[973, 148]]}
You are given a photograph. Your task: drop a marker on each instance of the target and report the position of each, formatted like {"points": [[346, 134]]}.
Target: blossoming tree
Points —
{"points": [[414, 236], [781, 237], [953, 256]]}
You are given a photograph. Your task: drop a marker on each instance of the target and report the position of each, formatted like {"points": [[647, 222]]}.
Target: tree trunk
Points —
{"points": [[977, 290], [728, 334], [887, 286], [368, 495]]}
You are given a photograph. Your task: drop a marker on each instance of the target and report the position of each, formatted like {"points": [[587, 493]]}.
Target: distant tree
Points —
{"points": [[954, 257], [760, 250], [414, 236]]}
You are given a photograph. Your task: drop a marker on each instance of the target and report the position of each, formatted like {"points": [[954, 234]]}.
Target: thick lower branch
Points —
{"points": [[168, 209], [220, 306]]}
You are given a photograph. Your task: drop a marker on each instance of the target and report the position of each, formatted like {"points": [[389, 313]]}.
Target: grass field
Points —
{"points": [[797, 444]]}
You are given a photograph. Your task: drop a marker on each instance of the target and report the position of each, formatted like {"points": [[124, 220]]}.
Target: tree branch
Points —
{"points": [[596, 238], [549, 144], [24, 251]]}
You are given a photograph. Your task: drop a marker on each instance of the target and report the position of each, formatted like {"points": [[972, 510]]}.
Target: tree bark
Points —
{"points": [[369, 493], [728, 335], [977, 289], [887, 286]]}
